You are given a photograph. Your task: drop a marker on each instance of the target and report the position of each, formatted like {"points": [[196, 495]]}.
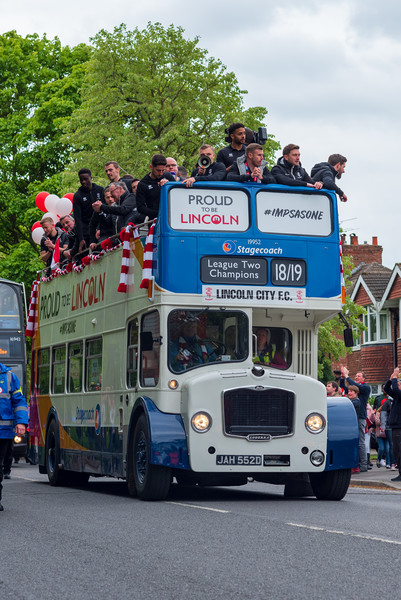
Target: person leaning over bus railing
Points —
{"points": [[124, 208], [188, 349], [328, 172], [266, 352], [216, 171], [251, 166], [67, 222], [49, 239], [102, 225], [13, 414], [149, 187], [289, 171]]}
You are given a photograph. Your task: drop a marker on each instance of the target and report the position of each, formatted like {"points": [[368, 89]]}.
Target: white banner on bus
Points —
{"points": [[192, 209], [294, 214], [277, 296]]}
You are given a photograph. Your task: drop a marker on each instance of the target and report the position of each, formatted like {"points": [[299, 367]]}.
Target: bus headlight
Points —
{"points": [[315, 423], [201, 422], [317, 458]]}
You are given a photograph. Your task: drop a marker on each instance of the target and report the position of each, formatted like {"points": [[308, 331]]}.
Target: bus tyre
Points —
{"points": [[330, 485], [151, 482], [54, 473]]}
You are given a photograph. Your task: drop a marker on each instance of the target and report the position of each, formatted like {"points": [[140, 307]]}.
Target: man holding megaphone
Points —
{"points": [[206, 169]]}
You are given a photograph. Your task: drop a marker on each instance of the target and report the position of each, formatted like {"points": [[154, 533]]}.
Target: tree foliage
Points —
{"points": [[40, 86], [154, 91], [331, 345]]}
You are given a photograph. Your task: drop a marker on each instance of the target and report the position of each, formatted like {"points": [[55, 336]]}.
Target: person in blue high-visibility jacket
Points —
{"points": [[13, 413]]}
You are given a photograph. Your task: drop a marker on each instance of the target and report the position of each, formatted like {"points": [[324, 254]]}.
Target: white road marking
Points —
{"points": [[339, 532], [200, 507]]}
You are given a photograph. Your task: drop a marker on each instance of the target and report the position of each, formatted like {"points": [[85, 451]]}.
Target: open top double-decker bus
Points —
{"points": [[208, 375]]}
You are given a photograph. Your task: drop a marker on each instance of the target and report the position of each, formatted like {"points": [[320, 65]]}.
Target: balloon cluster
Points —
{"points": [[53, 207]]}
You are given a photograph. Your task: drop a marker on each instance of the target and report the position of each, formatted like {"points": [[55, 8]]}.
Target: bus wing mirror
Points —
{"points": [[146, 341], [348, 337]]}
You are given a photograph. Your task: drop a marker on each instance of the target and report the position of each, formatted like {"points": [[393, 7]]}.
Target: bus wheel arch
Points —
{"points": [[55, 474], [330, 485], [151, 482]]}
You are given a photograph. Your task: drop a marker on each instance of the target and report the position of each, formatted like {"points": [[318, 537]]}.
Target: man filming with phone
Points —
{"points": [[207, 169]]}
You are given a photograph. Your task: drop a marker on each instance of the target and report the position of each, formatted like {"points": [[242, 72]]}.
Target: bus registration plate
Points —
{"points": [[238, 459]]}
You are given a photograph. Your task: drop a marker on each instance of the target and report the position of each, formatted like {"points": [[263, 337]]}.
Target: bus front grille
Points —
{"points": [[267, 411]]}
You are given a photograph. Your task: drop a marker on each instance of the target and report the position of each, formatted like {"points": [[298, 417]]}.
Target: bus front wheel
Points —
{"points": [[54, 473], [151, 481], [330, 485]]}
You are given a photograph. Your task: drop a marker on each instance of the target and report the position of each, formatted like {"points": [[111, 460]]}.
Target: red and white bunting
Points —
{"points": [[147, 271], [33, 310], [130, 231]]}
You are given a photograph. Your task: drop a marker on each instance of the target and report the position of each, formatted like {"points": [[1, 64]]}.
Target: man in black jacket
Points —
{"points": [[289, 170], [215, 172], [393, 388], [124, 206], [148, 190], [251, 167], [237, 146], [328, 172], [82, 203]]}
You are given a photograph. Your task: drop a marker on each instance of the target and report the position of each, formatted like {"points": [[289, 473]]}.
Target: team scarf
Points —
{"points": [[31, 325]]}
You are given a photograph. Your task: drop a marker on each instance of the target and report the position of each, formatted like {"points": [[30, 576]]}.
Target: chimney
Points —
{"points": [[363, 253], [374, 241]]}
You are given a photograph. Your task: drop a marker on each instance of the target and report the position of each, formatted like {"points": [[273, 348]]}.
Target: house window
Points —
{"points": [[377, 326]]}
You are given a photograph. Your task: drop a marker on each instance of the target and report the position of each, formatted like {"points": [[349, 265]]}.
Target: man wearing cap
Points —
{"points": [[13, 414]]}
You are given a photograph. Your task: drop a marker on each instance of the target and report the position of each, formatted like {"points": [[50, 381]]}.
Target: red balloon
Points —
{"points": [[40, 201], [69, 196], [36, 225]]}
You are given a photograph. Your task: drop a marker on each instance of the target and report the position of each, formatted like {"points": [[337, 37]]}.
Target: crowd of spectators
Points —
{"points": [[99, 213]]}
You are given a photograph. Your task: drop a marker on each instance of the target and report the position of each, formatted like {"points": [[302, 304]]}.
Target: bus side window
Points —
{"points": [[43, 371], [93, 365], [75, 359], [58, 370], [132, 354], [150, 359]]}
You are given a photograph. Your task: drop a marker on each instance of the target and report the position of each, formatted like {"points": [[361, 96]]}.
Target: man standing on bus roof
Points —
{"points": [[214, 172], [328, 172], [251, 167], [13, 414], [124, 207], [289, 170], [229, 154], [149, 187], [172, 168], [82, 201]]}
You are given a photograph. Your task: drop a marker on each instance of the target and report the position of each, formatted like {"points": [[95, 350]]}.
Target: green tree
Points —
{"points": [[331, 345], [149, 91], [40, 86]]}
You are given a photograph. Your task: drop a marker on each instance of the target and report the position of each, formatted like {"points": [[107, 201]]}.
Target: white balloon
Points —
{"points": [[51, 203], [63, 207], [52, 216], [37, 234]]}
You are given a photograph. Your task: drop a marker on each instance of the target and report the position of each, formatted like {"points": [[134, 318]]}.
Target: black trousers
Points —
{"points": [[397, 447], [4, 447]]}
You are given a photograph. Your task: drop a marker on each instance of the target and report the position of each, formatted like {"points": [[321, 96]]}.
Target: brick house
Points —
{"points": [[378, 289]]}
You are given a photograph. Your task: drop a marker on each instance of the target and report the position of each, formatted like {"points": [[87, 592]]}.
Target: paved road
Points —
{"points": [[216, 543]]}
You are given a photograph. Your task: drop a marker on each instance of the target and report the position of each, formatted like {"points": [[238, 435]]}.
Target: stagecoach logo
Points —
{"points": [[98, 420], [229, 247], [259, 437]]}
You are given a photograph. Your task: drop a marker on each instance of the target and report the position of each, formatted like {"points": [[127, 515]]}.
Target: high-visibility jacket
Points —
{"points": [[13, 406]]}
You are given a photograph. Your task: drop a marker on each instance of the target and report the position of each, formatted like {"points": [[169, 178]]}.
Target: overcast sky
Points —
{"points": [[329, 73]]}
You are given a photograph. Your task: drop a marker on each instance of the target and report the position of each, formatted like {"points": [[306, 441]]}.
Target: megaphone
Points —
{"points": [[203, 161]]}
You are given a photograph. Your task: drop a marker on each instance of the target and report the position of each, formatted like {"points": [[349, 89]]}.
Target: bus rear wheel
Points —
{"points": [[151, 482], [330, 485], [55, 475]]}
